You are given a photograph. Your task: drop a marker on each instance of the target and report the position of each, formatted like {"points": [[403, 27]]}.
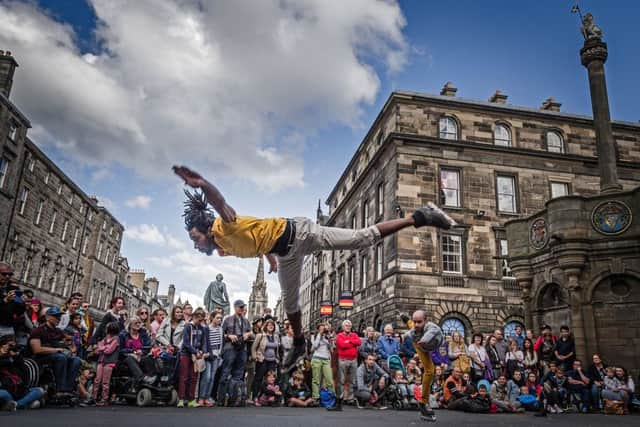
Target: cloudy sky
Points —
{"points": [[269, 99]]}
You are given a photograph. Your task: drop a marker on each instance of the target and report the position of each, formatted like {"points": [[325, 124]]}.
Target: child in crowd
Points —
{"points": [[107, 350], [85, 386], [436, 396], [298, 393], [75, 330], [403, 387], [528, 400], [270, 393], [614, 388]]}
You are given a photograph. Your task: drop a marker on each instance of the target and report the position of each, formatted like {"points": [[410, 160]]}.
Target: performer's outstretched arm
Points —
{"points": [[195, 180]]}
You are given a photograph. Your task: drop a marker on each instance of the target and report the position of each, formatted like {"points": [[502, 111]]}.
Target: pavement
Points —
{"points": [[125, 416]]}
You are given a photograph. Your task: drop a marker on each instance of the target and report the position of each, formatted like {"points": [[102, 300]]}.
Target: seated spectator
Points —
{"points": [[48, 345], [565, 349], [14, 392], [371, 380], [297, 393], [403, 387], [528, 400], [270, 394], [506, 399], [578, 386], [533, 387], [615, 389], [454, 387], [436, 395], [134, 347], [85, 386], [596, 373], [518, 380], [628, 385], [12, 306], [33, 313], [478, 402], [143, 314]]}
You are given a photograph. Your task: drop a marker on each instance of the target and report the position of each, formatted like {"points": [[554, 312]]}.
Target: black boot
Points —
{"points": [[426, 413], [337, 406], [297, 352], [434, 216]]}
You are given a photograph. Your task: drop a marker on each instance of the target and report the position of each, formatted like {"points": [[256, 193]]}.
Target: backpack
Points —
{"points": [[237, 393], [327, 398], [432, 338]]}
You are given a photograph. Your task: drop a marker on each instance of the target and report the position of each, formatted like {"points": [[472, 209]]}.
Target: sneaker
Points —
{"points": [[193, 404], [180, 404], [558, 409], [149, 379], [297, 352], [426, 413], [208, 403], [257, 404], [35, 404], [433, 216], [551, 410]]}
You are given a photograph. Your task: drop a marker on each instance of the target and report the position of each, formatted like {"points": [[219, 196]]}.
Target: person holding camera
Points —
{"points": [[12, 306], [14, 391], [48, 345], [321, 372], [236, 330]]}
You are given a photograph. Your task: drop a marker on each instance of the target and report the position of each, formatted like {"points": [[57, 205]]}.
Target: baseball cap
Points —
{"points": [[53, 311], [239, 303]]}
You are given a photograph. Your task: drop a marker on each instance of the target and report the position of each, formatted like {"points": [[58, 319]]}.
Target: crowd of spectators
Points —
{"points": [[230, 361]]}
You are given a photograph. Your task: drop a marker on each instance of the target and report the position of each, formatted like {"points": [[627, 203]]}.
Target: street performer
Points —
{"points": [[284, 241]]}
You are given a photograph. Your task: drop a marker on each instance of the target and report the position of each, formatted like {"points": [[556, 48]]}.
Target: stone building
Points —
{"points": [[483, 162], [258, 299], [305, 292], [139, 291]]}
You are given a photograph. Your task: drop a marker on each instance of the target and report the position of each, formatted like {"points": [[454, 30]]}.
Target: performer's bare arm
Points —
{"points": [[195, 180], [273, 264]]}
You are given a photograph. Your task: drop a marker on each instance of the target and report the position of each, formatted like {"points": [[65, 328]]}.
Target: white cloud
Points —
{"points": [[145, 233], [219, 85], [141, 201], [106, 202]]}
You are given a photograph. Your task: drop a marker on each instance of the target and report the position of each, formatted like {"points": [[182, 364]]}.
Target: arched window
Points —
{"points": [[510, 329], [502, 136], [451, 325], [448, 128], [555, 144]]}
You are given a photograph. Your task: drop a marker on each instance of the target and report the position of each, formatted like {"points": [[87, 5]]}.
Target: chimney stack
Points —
{"points": [[8, 67], [498, 97], [448, 89], [550, 105], [171, 294]]}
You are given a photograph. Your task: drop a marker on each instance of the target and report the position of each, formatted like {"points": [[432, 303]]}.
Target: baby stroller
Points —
{"points": [[160, 392], [398, 396]]}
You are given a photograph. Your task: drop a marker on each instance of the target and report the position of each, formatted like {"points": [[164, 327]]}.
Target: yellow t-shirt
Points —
{"points": [[247, 237]]}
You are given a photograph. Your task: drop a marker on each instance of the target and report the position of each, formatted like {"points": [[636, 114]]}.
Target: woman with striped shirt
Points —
{"points": [[213, 333]]}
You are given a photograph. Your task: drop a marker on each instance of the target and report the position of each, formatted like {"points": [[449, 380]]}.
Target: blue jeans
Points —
{"points": [[595, 396], [233, 363], [32, 395], [207, 376], [65, 369]]}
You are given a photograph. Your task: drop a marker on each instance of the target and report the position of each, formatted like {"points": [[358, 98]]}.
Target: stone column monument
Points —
{"points": [[217, 296]]}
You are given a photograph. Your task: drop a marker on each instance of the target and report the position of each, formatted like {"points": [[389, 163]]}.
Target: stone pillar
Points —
{"points": [[527, 302], [575, 305], [593, 56]]}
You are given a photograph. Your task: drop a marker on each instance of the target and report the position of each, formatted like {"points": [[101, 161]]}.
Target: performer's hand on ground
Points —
{"points": [[273, 264], [190, 177]]}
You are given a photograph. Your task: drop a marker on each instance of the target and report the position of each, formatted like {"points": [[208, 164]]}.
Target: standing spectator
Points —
{"points": [[596, 373], [73, 305], [286, 339], [12, 306], [370, 383], [158, 317], [213, 334], [88, 321], [546, 350], [347, 344], [107, 350], [143, 314], [387, 345], [32, 313], [193, 354], [478, 356], [545, 330], [440, 356], [321, 362], [578, 385], [250, 367], [529, 335], [518, 336], [530, 357], [115, 313], [514, 359], [187, 311], [236, 330], [369, 344], [492, 353], [565, 349], [171, 331], [458, 353], [502, 346], [75, 330], [47, 344], [14, 392], [265, 351]]}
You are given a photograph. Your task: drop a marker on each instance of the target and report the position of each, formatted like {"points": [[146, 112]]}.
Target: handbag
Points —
{"points": [[463, 362]]}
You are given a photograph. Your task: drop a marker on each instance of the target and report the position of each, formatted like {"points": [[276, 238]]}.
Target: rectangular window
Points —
{"points": [[65, 227], [365, 213], [559, 189], [13, 130], [104, 225], [32, 164], [106, 257], [70, 199], [99, 255], [47, 177], [90, 218], [81, 208], [379, 261], [60, 189], [352, 277], [85, 243], [504, 253], [4, 167], [111, 231], [341, 281], [450, 186], [364, 268], [380, 200], [53, 222], [354, 222], [22, 201], [452, 254], [75, 237], [506, 186], [27, 270], [36, 221]]}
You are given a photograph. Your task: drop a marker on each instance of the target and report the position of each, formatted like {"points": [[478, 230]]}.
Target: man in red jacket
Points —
{"points": [[347, 343]]}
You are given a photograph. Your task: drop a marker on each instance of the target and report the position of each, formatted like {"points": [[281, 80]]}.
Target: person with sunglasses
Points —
{"points": [[12, 307]]}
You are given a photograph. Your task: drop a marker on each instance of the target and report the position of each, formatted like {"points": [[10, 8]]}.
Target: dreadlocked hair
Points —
{"points": [[196, 213]]}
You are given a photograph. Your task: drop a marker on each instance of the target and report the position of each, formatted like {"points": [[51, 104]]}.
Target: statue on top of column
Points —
{"points": [[216, 295], [589, 29]]}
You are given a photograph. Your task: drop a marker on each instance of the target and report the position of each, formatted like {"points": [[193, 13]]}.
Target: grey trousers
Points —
{"points": [[347, 370], [311, 237]]}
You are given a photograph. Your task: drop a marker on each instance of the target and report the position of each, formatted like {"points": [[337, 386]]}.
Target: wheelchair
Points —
{"points": [[161, 392], [39, 373]]}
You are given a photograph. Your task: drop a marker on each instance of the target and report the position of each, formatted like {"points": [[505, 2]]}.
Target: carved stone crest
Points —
{"points": [[539, 234], [611, 217]]}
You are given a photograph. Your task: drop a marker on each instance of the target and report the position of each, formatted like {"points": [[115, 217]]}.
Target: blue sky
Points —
{"points": [[529, 50]]}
